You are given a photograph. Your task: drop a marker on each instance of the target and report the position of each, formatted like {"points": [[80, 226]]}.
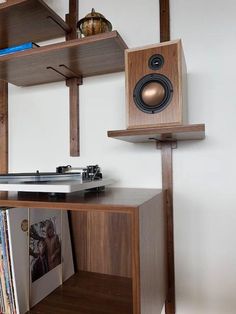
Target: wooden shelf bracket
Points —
{"points": [[65, 29]]}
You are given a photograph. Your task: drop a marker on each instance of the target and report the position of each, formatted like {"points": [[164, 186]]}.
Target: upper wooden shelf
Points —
{"points": [[180, 133], [94, 55], [29, 20]]}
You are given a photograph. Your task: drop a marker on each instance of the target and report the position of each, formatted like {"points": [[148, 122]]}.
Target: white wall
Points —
{"points": [[204, 172]]}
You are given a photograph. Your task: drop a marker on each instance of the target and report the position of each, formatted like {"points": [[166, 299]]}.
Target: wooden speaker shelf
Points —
{"points": [[29, 20], [94, 55], [171, 133]]}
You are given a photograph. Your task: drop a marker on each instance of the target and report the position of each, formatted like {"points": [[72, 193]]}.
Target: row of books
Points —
{"points": [[36, 257], [18, 48]]}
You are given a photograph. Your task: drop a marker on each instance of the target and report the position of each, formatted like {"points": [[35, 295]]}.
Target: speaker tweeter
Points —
{"points": [[156, 62]]}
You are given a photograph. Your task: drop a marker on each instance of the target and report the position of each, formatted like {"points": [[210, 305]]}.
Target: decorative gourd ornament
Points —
{"points": [[94, 23]]}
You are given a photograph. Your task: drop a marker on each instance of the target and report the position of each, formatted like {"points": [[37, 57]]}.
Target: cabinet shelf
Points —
{"points": [[29, 20], [171, 133], [90, 293], [94, 55], [111, 200]]}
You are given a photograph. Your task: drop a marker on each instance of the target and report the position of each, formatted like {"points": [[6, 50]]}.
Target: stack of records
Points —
{"points": [[36, 256], [7, 293]]}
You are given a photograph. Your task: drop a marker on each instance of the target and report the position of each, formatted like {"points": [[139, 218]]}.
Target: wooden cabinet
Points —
{"points": [[119, 246]]}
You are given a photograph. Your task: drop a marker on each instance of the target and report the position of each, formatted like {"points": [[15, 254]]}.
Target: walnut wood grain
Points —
{"points": [[93, 55], [74, 117], [109, 243], [103, 242], [137, 67], [164, 20], [89, 293], [71, 20], [136, 262], [152, 256], [167, 186], [79, 233], [29, 20], [142, 135], [3, 127], [111, 200]]}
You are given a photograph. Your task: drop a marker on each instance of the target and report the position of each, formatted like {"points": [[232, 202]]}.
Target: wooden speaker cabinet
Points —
{"points": [[156, 85]]}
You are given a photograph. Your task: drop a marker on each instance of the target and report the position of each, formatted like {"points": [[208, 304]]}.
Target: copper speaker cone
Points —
{"points": [[153, 94]]}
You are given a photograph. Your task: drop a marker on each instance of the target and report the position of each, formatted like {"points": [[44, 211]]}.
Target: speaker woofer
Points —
{"points": [[153, 93]]}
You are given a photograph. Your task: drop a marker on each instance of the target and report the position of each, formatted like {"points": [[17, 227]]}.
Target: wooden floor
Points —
{"points": [[89, 293]]}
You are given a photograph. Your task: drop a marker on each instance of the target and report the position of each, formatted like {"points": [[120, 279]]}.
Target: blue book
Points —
{"points": [[17, 48]]}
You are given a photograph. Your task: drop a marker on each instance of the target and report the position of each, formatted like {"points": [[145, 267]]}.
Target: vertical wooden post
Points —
{"points": [[71, 20], [164, 20], [74, 116], [73, 83], [3, 127], [167, 180], [167, 186]]}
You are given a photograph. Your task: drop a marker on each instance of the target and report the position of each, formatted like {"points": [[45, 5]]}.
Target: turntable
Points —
{"points": [[66, 179]]}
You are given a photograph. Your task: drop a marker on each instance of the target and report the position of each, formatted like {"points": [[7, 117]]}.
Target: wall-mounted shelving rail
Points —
{"points": [[70, 61]]}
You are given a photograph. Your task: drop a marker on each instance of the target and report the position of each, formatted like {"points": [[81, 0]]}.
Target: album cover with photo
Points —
{"points": [[45, 246]]}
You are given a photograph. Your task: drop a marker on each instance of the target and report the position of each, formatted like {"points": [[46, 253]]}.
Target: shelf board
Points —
{"points": [[88, 56], [112, 200], [89, 293], [170, 133], [29, 20]]}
